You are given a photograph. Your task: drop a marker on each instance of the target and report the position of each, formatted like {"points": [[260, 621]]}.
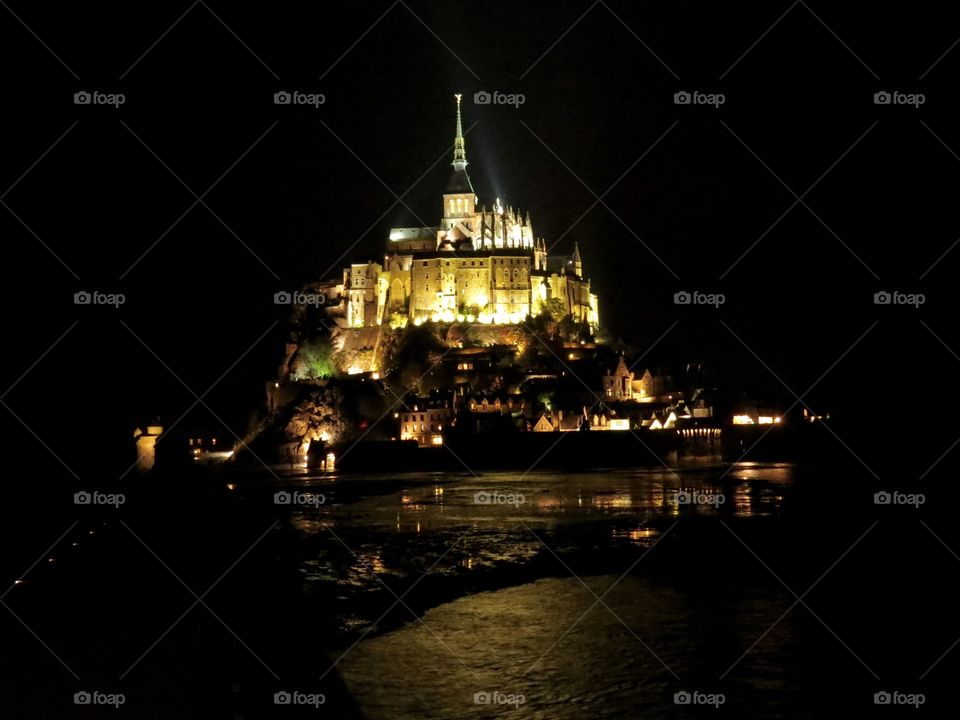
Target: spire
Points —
{"points": [[459, 149], [577, 264], [459, 183]]}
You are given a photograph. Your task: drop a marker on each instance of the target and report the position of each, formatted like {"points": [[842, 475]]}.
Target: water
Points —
{"points": [[566, 655], [448, 586]]}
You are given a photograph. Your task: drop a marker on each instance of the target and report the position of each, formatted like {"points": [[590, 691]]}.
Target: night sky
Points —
{"points": [[104, 198]]}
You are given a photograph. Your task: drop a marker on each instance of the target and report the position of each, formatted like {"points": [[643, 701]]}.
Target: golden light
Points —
{"points": [[743, 420]]}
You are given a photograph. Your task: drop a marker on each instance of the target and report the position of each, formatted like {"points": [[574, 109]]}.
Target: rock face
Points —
{"points": [[319, 415]]}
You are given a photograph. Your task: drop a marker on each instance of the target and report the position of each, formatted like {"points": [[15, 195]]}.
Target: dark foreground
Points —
{"points": [[405, 596]]}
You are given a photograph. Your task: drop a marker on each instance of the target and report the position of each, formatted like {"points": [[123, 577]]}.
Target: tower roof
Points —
{"points": [[459, 183]]}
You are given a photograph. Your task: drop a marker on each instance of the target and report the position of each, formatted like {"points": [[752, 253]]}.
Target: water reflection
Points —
{"points": [[543, 641], [491, 541], [483, 533], [498, 500]]}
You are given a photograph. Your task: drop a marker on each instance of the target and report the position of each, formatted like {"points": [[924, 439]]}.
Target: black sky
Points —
{"points": [[295, 187]]}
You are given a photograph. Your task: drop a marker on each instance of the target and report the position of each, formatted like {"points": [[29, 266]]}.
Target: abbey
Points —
{"points": [[479, 265]]}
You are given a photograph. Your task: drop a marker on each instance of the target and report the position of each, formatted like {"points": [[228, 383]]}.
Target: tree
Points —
{"points": [[314, 360], [414, 363], [555, 308]]}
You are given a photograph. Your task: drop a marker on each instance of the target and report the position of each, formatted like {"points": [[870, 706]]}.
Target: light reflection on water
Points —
{"points": [[543, 641], [401, 528], [422, 504]]}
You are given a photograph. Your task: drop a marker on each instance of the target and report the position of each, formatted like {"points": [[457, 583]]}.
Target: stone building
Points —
{"points": [[479, 264]]}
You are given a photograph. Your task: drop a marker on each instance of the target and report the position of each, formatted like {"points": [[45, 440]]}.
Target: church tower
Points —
{"points": [[577, 263], [459, 199]]}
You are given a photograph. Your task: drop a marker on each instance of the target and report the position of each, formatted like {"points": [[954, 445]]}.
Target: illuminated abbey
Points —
{"points": [[479, 265]]}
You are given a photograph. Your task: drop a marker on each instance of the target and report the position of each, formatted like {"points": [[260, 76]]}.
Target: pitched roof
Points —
{"points": [[459, 182]]}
